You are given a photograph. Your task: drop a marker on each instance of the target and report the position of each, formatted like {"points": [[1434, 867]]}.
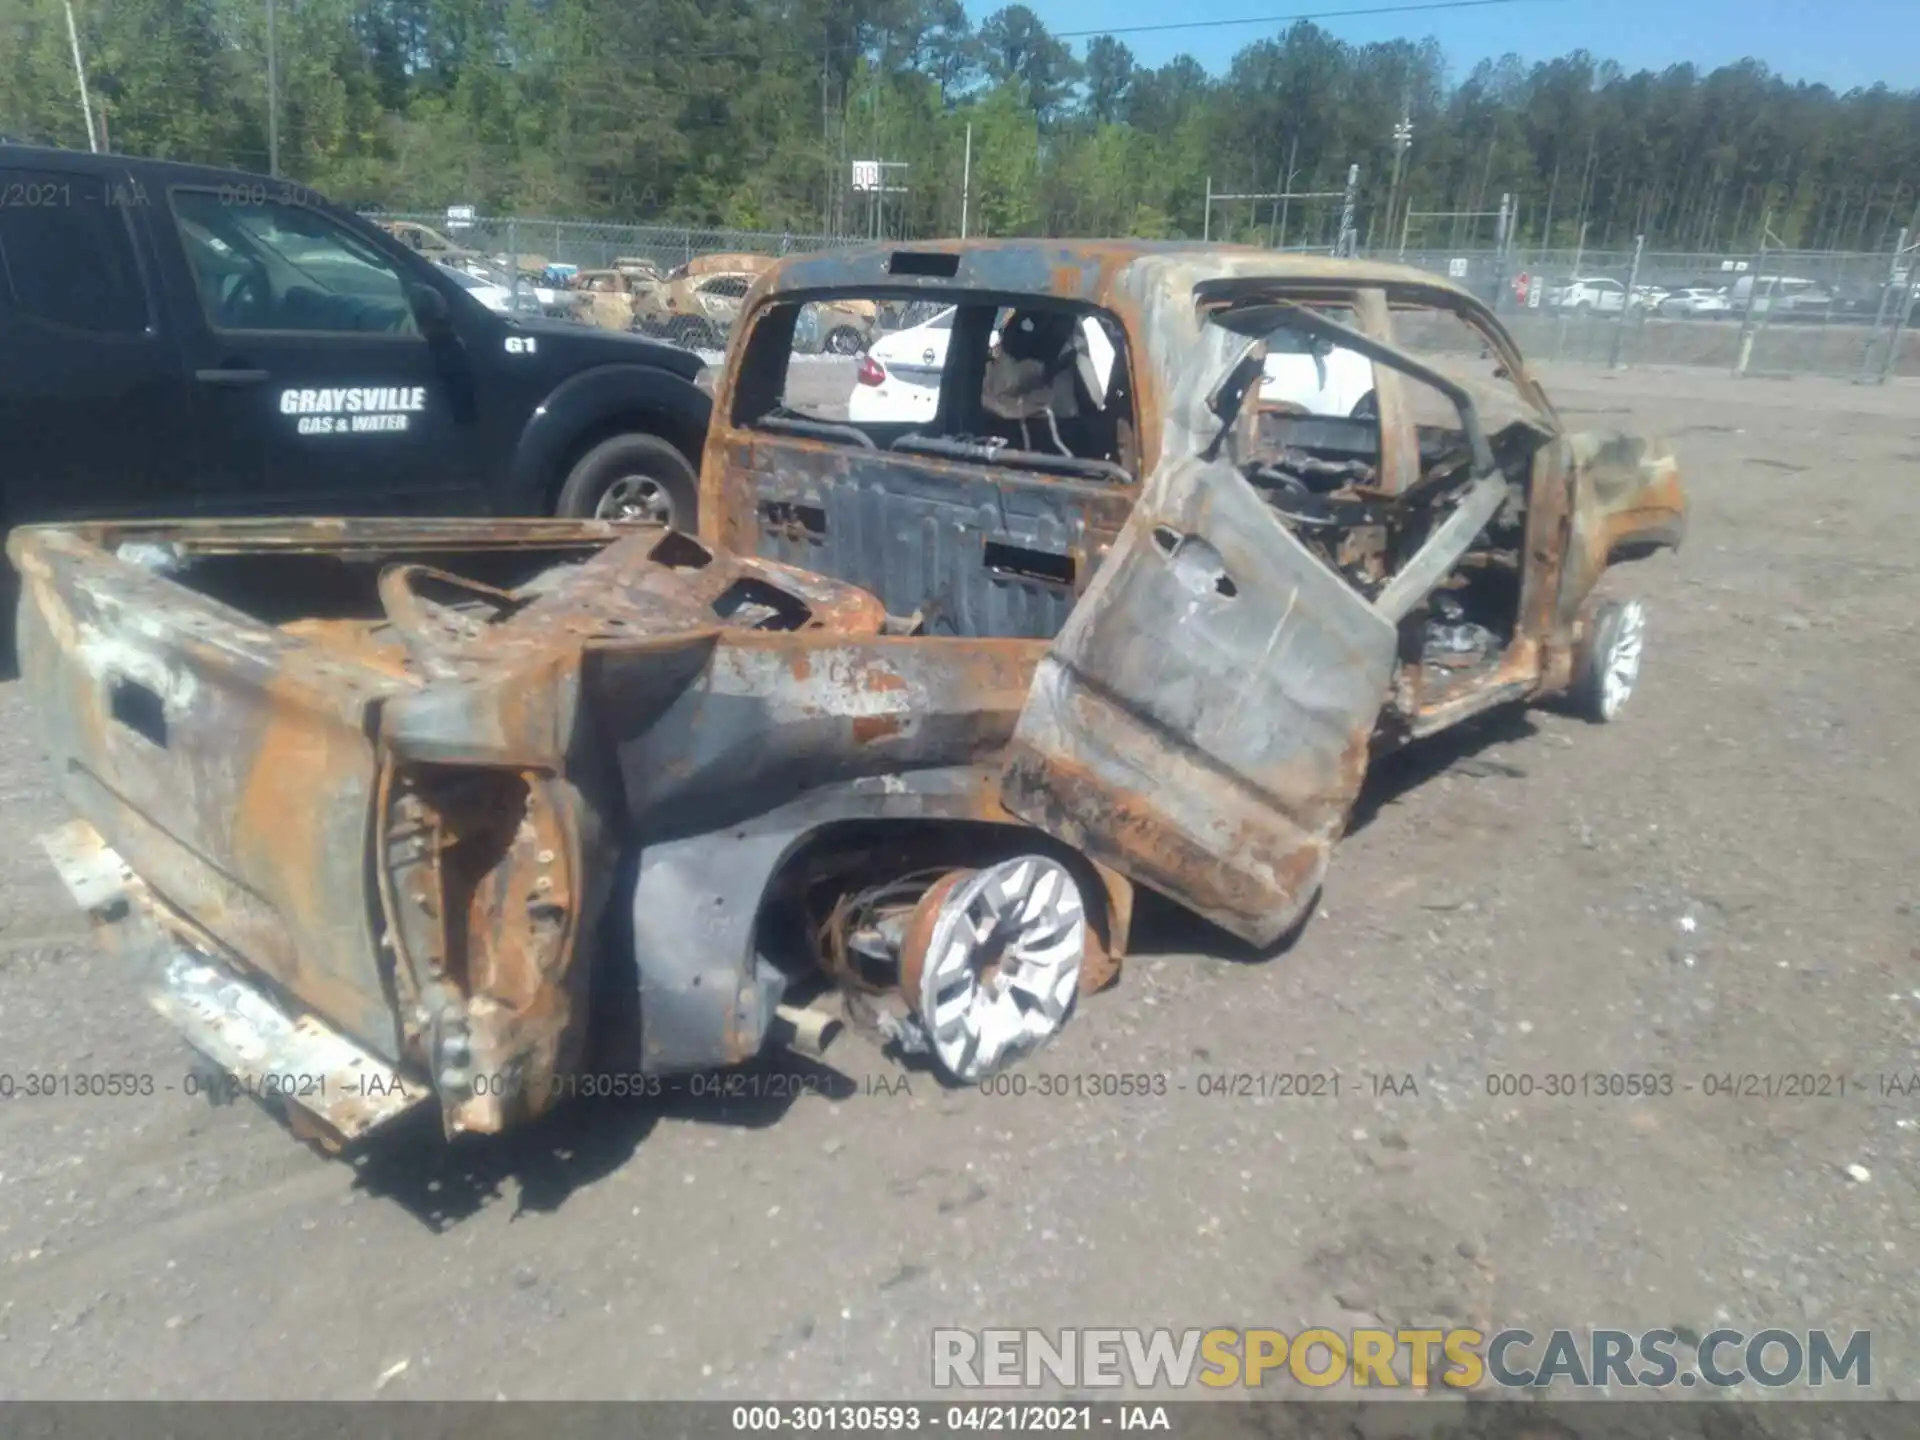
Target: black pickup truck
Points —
{"points": [[176, 340]]}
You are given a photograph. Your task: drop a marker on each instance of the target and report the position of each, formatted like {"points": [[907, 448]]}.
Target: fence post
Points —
{"points": [[1626, 302], [1901, 316], [1502, 236], [1748, 325], [1868, 374], [513, 265]]}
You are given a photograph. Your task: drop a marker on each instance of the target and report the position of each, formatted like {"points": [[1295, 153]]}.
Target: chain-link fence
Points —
{"points": [[599, 245], [1852, 315], [1775, 312]]}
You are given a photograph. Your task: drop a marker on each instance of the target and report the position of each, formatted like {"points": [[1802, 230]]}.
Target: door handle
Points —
{"points": [[230, 377]]}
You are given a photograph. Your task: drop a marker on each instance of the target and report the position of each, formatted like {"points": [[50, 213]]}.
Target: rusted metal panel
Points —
{"points": [[1208, 744], [491, 802], [404, 806]]}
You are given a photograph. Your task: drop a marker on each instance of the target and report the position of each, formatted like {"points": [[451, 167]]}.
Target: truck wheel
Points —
{"points": [[632, 477], [1608, 664]]}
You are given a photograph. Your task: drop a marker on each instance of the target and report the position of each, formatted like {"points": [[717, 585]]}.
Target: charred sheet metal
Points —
{"points": [[401, 809]]}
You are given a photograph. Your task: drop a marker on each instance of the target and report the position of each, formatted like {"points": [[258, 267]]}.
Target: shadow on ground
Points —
{"points": [[583, 1140]]}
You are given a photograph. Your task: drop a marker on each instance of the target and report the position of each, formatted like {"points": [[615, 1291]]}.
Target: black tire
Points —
{"points": [[845, 340], [1609, 652], [632, 477]]}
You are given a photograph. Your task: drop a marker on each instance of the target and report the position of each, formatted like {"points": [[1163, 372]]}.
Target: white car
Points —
{"points": [[1321, 379], [899, 376], [1597, 292], [496, 298], [491, 285], [1696, 300]]}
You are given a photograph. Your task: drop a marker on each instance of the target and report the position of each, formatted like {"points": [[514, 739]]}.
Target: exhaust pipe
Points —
{"points": [[805, 1029]]}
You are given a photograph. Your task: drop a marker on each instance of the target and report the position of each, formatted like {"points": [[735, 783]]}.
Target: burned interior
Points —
{"points": [[1126, 594]]}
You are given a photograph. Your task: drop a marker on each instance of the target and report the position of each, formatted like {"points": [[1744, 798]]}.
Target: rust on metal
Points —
{"points": [[494, 802]]}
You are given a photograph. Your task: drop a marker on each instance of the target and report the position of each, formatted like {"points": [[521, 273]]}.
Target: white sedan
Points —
{"points": [[1696, 300], [899, 376]]}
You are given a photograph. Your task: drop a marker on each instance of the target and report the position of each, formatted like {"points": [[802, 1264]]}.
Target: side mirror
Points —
{"points": [[429, 308]]}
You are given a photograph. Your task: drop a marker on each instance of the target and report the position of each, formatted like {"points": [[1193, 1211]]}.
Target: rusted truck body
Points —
{"points": [[496, 813]]}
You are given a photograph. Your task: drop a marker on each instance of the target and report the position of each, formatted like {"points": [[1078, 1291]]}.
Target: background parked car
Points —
{"points": [[605, 298], [697, 303], [836, 327], [1779, 294], [1696, 300], [899, 376], [494, 295], [1595, 292], [229, 347], [1315, 376]]}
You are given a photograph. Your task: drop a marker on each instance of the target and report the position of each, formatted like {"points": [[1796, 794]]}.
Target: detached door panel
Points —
{"points": [[1202, 721]]}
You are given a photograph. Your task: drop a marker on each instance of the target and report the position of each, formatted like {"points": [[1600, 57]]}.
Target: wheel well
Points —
{"points": [[837, 851], [676, 432]]}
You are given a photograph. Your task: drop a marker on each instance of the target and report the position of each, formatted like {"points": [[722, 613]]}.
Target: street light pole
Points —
{"points": [[966, 181], [1402, 138]]}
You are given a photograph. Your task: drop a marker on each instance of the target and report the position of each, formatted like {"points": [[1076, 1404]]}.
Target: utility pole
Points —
{"points": [[1402, 138], [966, 180], [273, 99], [80, 73]]}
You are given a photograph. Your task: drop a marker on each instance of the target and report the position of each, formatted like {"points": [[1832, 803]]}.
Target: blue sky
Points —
{"points": [[1843, 43]]}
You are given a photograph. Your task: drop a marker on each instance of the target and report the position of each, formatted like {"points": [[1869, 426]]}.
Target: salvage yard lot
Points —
{"points": [[1720, 885]]}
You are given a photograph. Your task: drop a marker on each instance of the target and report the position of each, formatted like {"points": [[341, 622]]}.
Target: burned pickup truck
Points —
{"points": [[482, 813]]}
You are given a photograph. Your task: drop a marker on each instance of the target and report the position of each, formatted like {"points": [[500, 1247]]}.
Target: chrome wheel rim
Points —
{"points": [[636, 497], [1621, 669], [1002, 966]]}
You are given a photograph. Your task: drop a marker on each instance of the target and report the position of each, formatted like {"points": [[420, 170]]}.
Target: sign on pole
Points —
{"points": [[866, 174], [459, 217], [1457, 267]]}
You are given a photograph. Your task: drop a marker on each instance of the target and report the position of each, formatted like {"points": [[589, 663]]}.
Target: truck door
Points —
{"points": [[94, 417], [314, 390], [1201, 722]]}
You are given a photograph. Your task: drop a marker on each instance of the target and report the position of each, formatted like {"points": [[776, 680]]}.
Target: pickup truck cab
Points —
{"points": [[177, 340]]}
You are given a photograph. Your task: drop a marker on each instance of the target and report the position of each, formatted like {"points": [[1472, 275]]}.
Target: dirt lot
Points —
{"points": [[1721, 884]]}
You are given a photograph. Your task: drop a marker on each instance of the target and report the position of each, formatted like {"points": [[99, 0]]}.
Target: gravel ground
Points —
{"points": [[1721, 884]]}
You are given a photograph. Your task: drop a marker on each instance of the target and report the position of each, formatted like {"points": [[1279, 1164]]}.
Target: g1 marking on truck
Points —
{"points": [[353, 410], [521, 345]]}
